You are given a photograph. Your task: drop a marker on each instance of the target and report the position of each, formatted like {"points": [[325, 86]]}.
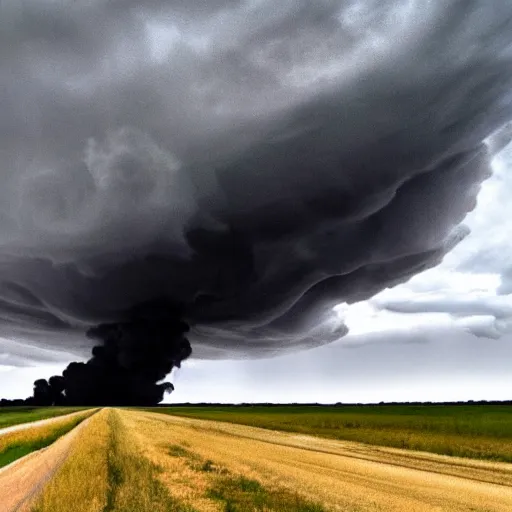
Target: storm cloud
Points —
{"points": [[256, 163]]}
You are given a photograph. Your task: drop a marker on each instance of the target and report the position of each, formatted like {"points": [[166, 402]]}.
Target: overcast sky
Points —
{"points": [[444, 335], [284, 174]]}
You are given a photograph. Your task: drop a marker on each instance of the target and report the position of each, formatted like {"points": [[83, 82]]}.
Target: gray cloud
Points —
{"points": [[483, 316], [487, 251], [471, 306], [506, 282], [17, 354], [257, 164]]}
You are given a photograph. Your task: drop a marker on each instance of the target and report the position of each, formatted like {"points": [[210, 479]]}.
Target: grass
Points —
{"points": [[10, 416], [237, 493], [176, 450], [106, 472], [15, 445], [473, 431], [208, 466], [83, 478], [240, 494], [134, 484]]}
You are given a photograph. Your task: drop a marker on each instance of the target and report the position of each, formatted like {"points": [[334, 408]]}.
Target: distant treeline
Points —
{"points": [[31, 402], [337, 404], [4, 402]]}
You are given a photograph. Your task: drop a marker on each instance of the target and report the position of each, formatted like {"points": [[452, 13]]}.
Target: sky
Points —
{"points": [[323, 188], [454, 343]]}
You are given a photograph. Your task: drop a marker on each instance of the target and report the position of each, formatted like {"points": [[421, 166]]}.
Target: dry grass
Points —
{"points": [[239, 494], [205, 485], [175, 460], [82, 481], [340, 475], [107, 472], [134, 483], [14, 445], [472, 431]]}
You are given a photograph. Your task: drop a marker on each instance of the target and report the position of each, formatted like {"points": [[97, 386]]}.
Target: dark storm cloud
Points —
{"points": [[256, 163], [16, 354]]}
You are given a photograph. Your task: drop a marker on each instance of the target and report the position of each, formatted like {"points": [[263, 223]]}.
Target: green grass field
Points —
{"points": [[15, 415], [475, 431]]}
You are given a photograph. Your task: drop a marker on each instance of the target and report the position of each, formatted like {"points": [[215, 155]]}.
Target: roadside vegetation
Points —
{"points": [[474, 431], [14, 445], [231, 492], [83, 479], [106, 472], [237, 493], [10, 416], [240, 494]]}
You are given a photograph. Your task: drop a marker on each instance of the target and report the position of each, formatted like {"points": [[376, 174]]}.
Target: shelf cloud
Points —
{"points": [[254, 164]]}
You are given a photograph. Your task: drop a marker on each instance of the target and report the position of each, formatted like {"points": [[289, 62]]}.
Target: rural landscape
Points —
{"points": [[307, 458], [255, 256]]}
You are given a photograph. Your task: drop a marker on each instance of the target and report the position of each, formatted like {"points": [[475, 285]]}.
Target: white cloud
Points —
{"points": [[469, 291], [17, 382]]}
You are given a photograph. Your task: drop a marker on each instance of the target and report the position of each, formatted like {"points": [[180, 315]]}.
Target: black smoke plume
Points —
{"points": [[128, 366]]}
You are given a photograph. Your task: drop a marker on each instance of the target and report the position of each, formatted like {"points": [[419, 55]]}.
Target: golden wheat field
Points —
{"points": [[135, 461]]}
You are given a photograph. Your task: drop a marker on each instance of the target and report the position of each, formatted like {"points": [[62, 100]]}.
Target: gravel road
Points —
{"points": [[21, 480]]}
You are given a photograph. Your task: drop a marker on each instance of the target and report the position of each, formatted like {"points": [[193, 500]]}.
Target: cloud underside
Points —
{"points": [[257, 165]]}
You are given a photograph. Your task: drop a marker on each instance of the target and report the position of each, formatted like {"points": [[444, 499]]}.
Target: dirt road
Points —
{"points": [[342, 475], [38, 423], [25, 477]]}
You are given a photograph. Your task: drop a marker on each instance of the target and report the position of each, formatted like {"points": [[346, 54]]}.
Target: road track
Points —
{"points": [[38, 423], [24, 478]]}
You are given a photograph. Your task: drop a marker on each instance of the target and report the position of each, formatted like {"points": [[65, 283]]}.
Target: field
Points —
{"points": [[475, 431], [15, 415], [119, 466], [125, 460]]}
